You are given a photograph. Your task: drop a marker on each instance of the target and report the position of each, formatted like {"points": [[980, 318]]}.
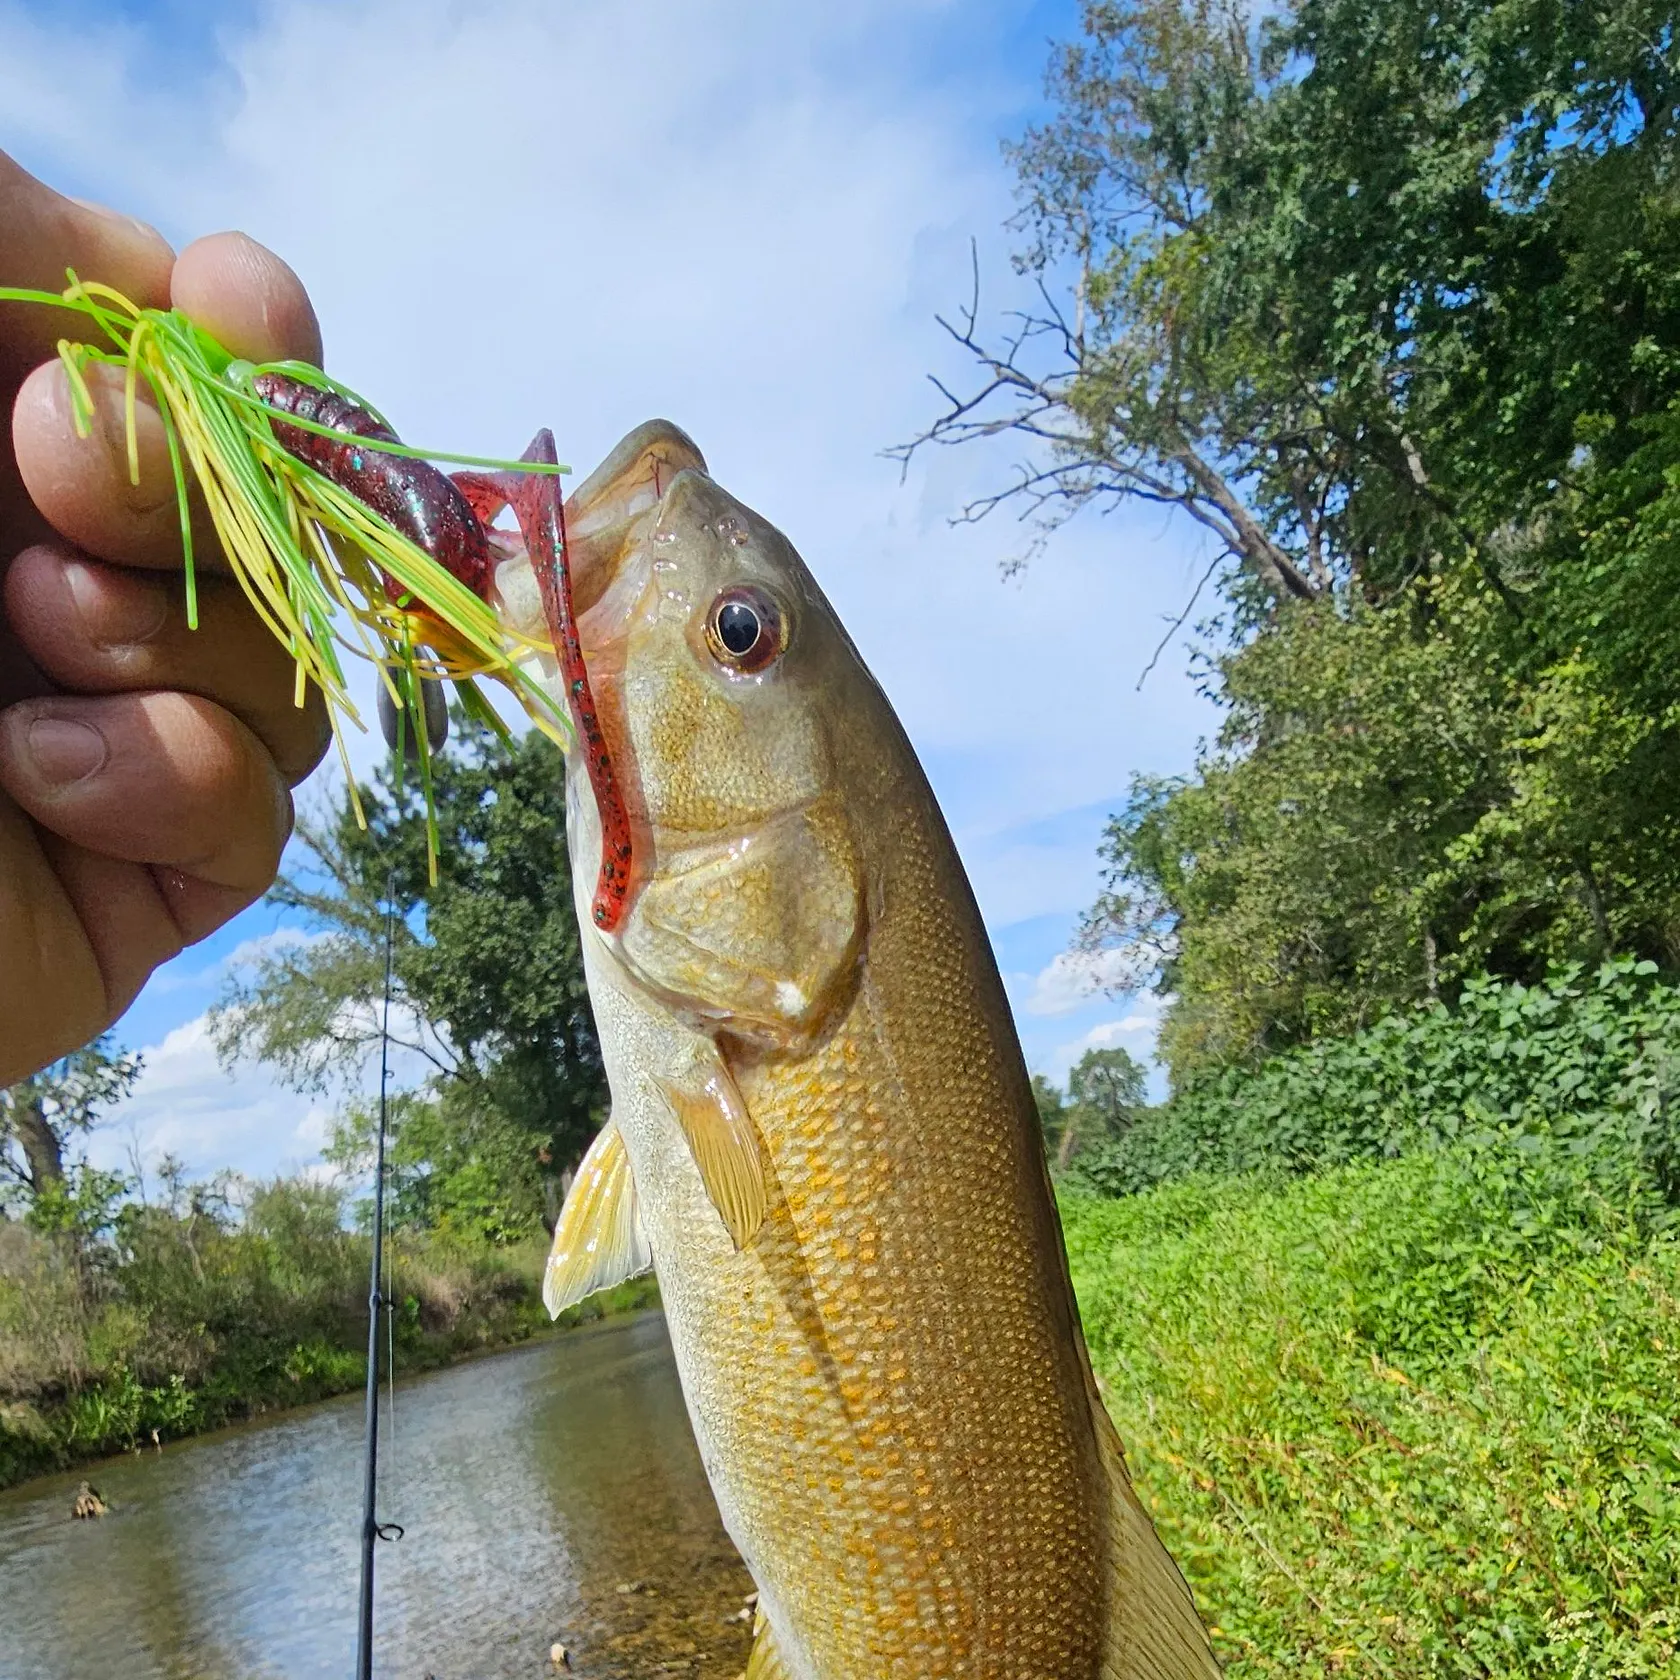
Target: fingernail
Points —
{"points": [[65, 751], [117, 609]]}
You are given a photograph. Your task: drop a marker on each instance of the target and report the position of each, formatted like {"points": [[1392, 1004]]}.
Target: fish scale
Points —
{"points": [[835, 1161]]}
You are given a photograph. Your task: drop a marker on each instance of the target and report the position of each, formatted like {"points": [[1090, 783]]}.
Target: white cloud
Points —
{"points": [[186, 1105], [286, 938], [1135, 1031], [743, 215], [1137, 1028], [67, 105], [1072, 978], [737, 213], [179, 978]]}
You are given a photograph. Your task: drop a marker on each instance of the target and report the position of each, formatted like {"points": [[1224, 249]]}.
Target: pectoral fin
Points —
{"points": [[599, 1240], [765, 1661], [724, 1143]]}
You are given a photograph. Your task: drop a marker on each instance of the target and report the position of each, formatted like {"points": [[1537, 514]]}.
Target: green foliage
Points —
{"points": [[1051, 1106], [1352, 277], [1384, 295], [83, 1205], [1411, 1418], [488, 986], [1104, 1098], [196, 1313], [40, 1120], [1399, 799], [1581, 1058]]}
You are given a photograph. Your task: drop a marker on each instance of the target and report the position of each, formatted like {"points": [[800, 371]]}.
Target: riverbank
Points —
{"points": [[184, 1322], [548, 1493]]}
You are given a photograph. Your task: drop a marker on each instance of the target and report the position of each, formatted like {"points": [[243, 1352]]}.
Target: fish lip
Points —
{"points": [[618, 589], [608, 516], [604, 519]]}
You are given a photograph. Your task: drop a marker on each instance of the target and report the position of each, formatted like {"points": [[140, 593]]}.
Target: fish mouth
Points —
{"points": [[608, 518], [613, 509]]}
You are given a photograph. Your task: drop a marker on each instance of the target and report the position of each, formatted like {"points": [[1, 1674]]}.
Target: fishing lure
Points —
{"points": [[449, 518], [426, 505], [413, 496], [541, 514], [324, 569]]}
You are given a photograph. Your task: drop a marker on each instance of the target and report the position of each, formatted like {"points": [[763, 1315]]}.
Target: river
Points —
{"points": [[548, 1494]]}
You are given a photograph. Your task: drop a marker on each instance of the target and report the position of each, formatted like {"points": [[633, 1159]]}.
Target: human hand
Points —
{"points": [[145, 769]]}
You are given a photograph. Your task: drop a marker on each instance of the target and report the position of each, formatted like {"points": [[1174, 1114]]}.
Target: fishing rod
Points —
{"points": [[373, 1531], [396, 724], [376, 1302]]}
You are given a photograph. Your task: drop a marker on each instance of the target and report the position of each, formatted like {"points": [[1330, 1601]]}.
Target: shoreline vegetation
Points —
{"points": [[1390, 1326], [156, 1301], [1408, 1418], [190, 1321]]}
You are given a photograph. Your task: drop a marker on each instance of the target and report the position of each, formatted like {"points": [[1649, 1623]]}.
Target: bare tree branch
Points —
{"points": [[1178, 623], [1074, 464]]}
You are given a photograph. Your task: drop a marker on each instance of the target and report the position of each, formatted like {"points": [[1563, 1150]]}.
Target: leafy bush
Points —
{"points": [[1412, 1418], [190, 1319], [1587, 1058]]}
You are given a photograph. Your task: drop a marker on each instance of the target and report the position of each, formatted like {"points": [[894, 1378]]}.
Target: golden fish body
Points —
{"points": [[824, 1138]]}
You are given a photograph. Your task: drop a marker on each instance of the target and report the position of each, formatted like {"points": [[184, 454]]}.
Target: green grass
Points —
{"points": [[1415, 1418]]}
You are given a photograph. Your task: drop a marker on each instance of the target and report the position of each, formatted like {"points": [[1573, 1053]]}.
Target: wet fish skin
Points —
{"points": [[824, 1136]]}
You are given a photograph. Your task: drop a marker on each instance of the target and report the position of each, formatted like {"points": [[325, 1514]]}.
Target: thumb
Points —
{"points": [[42, 233]]}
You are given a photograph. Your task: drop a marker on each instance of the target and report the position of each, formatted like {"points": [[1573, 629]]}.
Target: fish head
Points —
{"points": [[719, 675], [719, 669]]}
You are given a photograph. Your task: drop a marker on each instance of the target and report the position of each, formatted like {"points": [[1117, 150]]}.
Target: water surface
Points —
{"points": [[551, 1493]]}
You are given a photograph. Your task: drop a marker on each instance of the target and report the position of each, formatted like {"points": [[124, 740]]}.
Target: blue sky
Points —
{"points": [[737, 213]]}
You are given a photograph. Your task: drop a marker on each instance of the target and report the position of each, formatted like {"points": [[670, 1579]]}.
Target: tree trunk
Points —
{"points": [[1069, 1140], [42, 1150], [1596, 908]]}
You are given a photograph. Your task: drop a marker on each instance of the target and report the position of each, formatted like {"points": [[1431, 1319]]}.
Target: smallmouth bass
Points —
{"points": [[823, 1137]]}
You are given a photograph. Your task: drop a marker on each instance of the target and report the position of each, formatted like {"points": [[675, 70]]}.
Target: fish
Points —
{"points": [[822, 1137]]}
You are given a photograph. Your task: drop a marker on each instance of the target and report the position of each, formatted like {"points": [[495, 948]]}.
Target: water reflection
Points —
{"points": [[550, 1493]]}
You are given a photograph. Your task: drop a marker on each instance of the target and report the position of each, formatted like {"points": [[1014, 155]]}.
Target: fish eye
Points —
{"points": [[744, 629]]}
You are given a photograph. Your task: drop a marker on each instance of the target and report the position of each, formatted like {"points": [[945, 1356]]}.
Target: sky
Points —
{"points": [[739, 214]]}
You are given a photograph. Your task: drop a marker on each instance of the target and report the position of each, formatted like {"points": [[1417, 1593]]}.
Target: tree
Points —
{"points": [[1342, 282], [1104, 1096], [488, 990], [42, 1116], [1052, 1111], [1386, 296]]}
